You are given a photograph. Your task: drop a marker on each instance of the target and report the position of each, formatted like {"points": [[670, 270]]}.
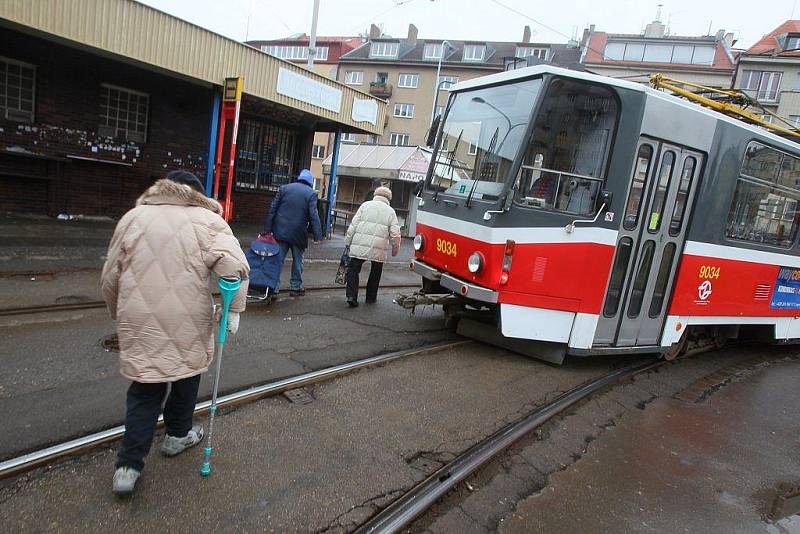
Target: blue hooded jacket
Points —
{"points": [[292, 210]]}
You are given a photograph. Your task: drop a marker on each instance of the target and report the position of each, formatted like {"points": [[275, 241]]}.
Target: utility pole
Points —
{"points": [[312, 44]]}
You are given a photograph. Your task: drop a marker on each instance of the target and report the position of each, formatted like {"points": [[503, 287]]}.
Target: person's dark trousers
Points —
{"points": [[354, 270], [144, 405]]}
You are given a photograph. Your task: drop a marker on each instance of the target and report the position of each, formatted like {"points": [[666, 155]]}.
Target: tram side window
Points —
{"points": [[766, 203], [565, 161], [643, 160]]}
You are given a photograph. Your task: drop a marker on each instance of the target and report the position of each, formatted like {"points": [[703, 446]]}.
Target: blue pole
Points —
{"points": [[212, 141], [332, 181]]}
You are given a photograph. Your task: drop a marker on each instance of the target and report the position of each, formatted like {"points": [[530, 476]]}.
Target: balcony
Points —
{"points": [[380, 89]]}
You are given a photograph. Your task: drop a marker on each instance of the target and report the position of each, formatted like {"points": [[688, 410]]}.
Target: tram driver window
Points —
{"points": [[565, 162], [766, 203]]}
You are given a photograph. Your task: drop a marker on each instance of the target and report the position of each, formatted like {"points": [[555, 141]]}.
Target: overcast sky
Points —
{"points": [[480, 19]]}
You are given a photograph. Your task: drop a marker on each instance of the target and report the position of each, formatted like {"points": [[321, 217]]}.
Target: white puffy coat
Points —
{"points": [[374, 224]]}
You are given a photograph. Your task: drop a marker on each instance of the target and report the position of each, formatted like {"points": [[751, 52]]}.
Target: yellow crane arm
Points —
{"points": [[659, 81]]}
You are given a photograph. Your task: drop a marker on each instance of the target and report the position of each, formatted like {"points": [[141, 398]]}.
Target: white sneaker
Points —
{"points": [[173, 446], [125, 480]]}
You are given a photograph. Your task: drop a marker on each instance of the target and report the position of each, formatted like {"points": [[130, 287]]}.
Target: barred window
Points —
{"points": [[265, 158], [17, 83], [123, 113]]}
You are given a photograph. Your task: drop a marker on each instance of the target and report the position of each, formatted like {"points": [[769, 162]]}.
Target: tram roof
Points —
{"points": [[537, 70]]}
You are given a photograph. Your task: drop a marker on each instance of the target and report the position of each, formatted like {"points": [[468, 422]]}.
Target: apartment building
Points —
{"points": [[770, 71], [328, 50], [403, 72], [707, 60]]}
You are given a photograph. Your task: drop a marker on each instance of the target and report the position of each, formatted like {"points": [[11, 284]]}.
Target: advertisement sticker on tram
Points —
{"points": [[786, 294]]}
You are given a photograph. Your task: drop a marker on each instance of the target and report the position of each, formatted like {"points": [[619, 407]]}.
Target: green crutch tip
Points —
{"points": [[205, 470]]}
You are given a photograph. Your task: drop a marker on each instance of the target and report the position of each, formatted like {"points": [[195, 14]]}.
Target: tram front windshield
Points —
{"points": [[481, 135]]}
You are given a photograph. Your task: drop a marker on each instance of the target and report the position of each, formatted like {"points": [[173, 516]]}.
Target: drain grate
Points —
{"points": [[299, 396], [110, 343]]}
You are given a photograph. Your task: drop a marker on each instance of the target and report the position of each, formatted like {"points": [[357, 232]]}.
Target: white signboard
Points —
{"points": [[365, 110], [310, 91], [411, 176]]}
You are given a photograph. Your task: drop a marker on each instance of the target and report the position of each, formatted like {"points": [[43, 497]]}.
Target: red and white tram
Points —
{"points": [[579, 214]]}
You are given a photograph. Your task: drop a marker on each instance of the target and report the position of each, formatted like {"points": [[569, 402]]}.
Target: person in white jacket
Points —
{"points": [[369, 235]]}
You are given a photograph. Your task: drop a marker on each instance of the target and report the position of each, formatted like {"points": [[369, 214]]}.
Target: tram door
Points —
{"points": [[652, 232]]}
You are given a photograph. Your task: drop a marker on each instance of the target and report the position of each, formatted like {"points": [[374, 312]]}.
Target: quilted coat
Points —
{"points": [[374, 225], [157, 281]]}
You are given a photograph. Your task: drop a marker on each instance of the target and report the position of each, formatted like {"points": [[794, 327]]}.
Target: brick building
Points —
{"points": [[99, 98]]}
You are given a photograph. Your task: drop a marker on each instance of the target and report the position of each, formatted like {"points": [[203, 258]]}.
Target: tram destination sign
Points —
{"points": [[786, 294]]}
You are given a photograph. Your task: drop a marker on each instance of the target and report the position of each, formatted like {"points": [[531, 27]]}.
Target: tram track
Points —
{"points": [[97, 304], [26, 462]]}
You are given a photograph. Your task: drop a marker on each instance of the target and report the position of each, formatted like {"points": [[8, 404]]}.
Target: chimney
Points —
{"points": [[412, 35], [720, 35], [655, 29], [374, 32], [729, 39], [526, 34]]}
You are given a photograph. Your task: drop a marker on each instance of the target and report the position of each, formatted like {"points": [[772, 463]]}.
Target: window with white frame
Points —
{"points": [[371, 139], [408, 80], [404, 110], [17, 85], [383, 49], [399, 139], [792, 42], [764, 85], [348, 138], [432, 51], [354, 77], [472, 149], [647, 52], [318, 151], [473, 52], [295, 52], [531, 51], [448, 81], [795, 120], [123, 113]]}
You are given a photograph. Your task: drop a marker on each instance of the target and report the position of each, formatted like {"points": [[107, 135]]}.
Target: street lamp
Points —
{"points": [[438, 82]]}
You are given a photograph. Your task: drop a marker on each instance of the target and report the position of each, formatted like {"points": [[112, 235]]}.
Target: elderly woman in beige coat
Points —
{"points": [[157, 283], [374, 226]]}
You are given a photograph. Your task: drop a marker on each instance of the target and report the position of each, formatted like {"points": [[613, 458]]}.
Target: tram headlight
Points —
{"points": [[475, 263], [419, 242]]}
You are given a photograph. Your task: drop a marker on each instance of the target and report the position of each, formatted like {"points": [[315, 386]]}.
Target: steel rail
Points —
{"points": [[96, 304], [83, 444], [418, 499]]}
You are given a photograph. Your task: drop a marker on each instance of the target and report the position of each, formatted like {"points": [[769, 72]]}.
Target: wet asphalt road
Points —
{"points": [[57, 382]]}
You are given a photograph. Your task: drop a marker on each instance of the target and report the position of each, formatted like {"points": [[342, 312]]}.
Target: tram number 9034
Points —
{"points": [[709, 272], [446, 247]]}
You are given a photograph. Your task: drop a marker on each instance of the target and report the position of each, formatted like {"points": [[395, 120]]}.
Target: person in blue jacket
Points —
{"points": [[293, 209]]}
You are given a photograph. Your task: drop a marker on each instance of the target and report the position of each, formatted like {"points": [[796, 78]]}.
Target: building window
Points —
{"points": [[265, 156], [530, 51], [763, 85], [318, 151], [792, 42], [765, 203], [408, 80], [371, 139], [399, 139], [348, 138], [404, 110], [640, 51], [448, 81], [17, 84], [432, 51], [795, 120], [472, 149], [382, 49], [474, 52], [294, 52], [123, 113], [354, 77]]}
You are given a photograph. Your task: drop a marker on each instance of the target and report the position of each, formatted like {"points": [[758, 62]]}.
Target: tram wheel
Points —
{"points": [[677, 348]]}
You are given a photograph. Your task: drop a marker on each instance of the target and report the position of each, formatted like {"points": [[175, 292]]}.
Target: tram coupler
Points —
{"points": [[410, 301]]}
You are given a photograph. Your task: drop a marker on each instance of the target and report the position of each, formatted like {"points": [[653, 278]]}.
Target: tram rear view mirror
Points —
{"points": [[605, 198], [430, 139]]}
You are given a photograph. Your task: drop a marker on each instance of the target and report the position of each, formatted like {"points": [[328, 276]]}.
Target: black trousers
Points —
{"points": [[354, 270], [144, 405]]}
